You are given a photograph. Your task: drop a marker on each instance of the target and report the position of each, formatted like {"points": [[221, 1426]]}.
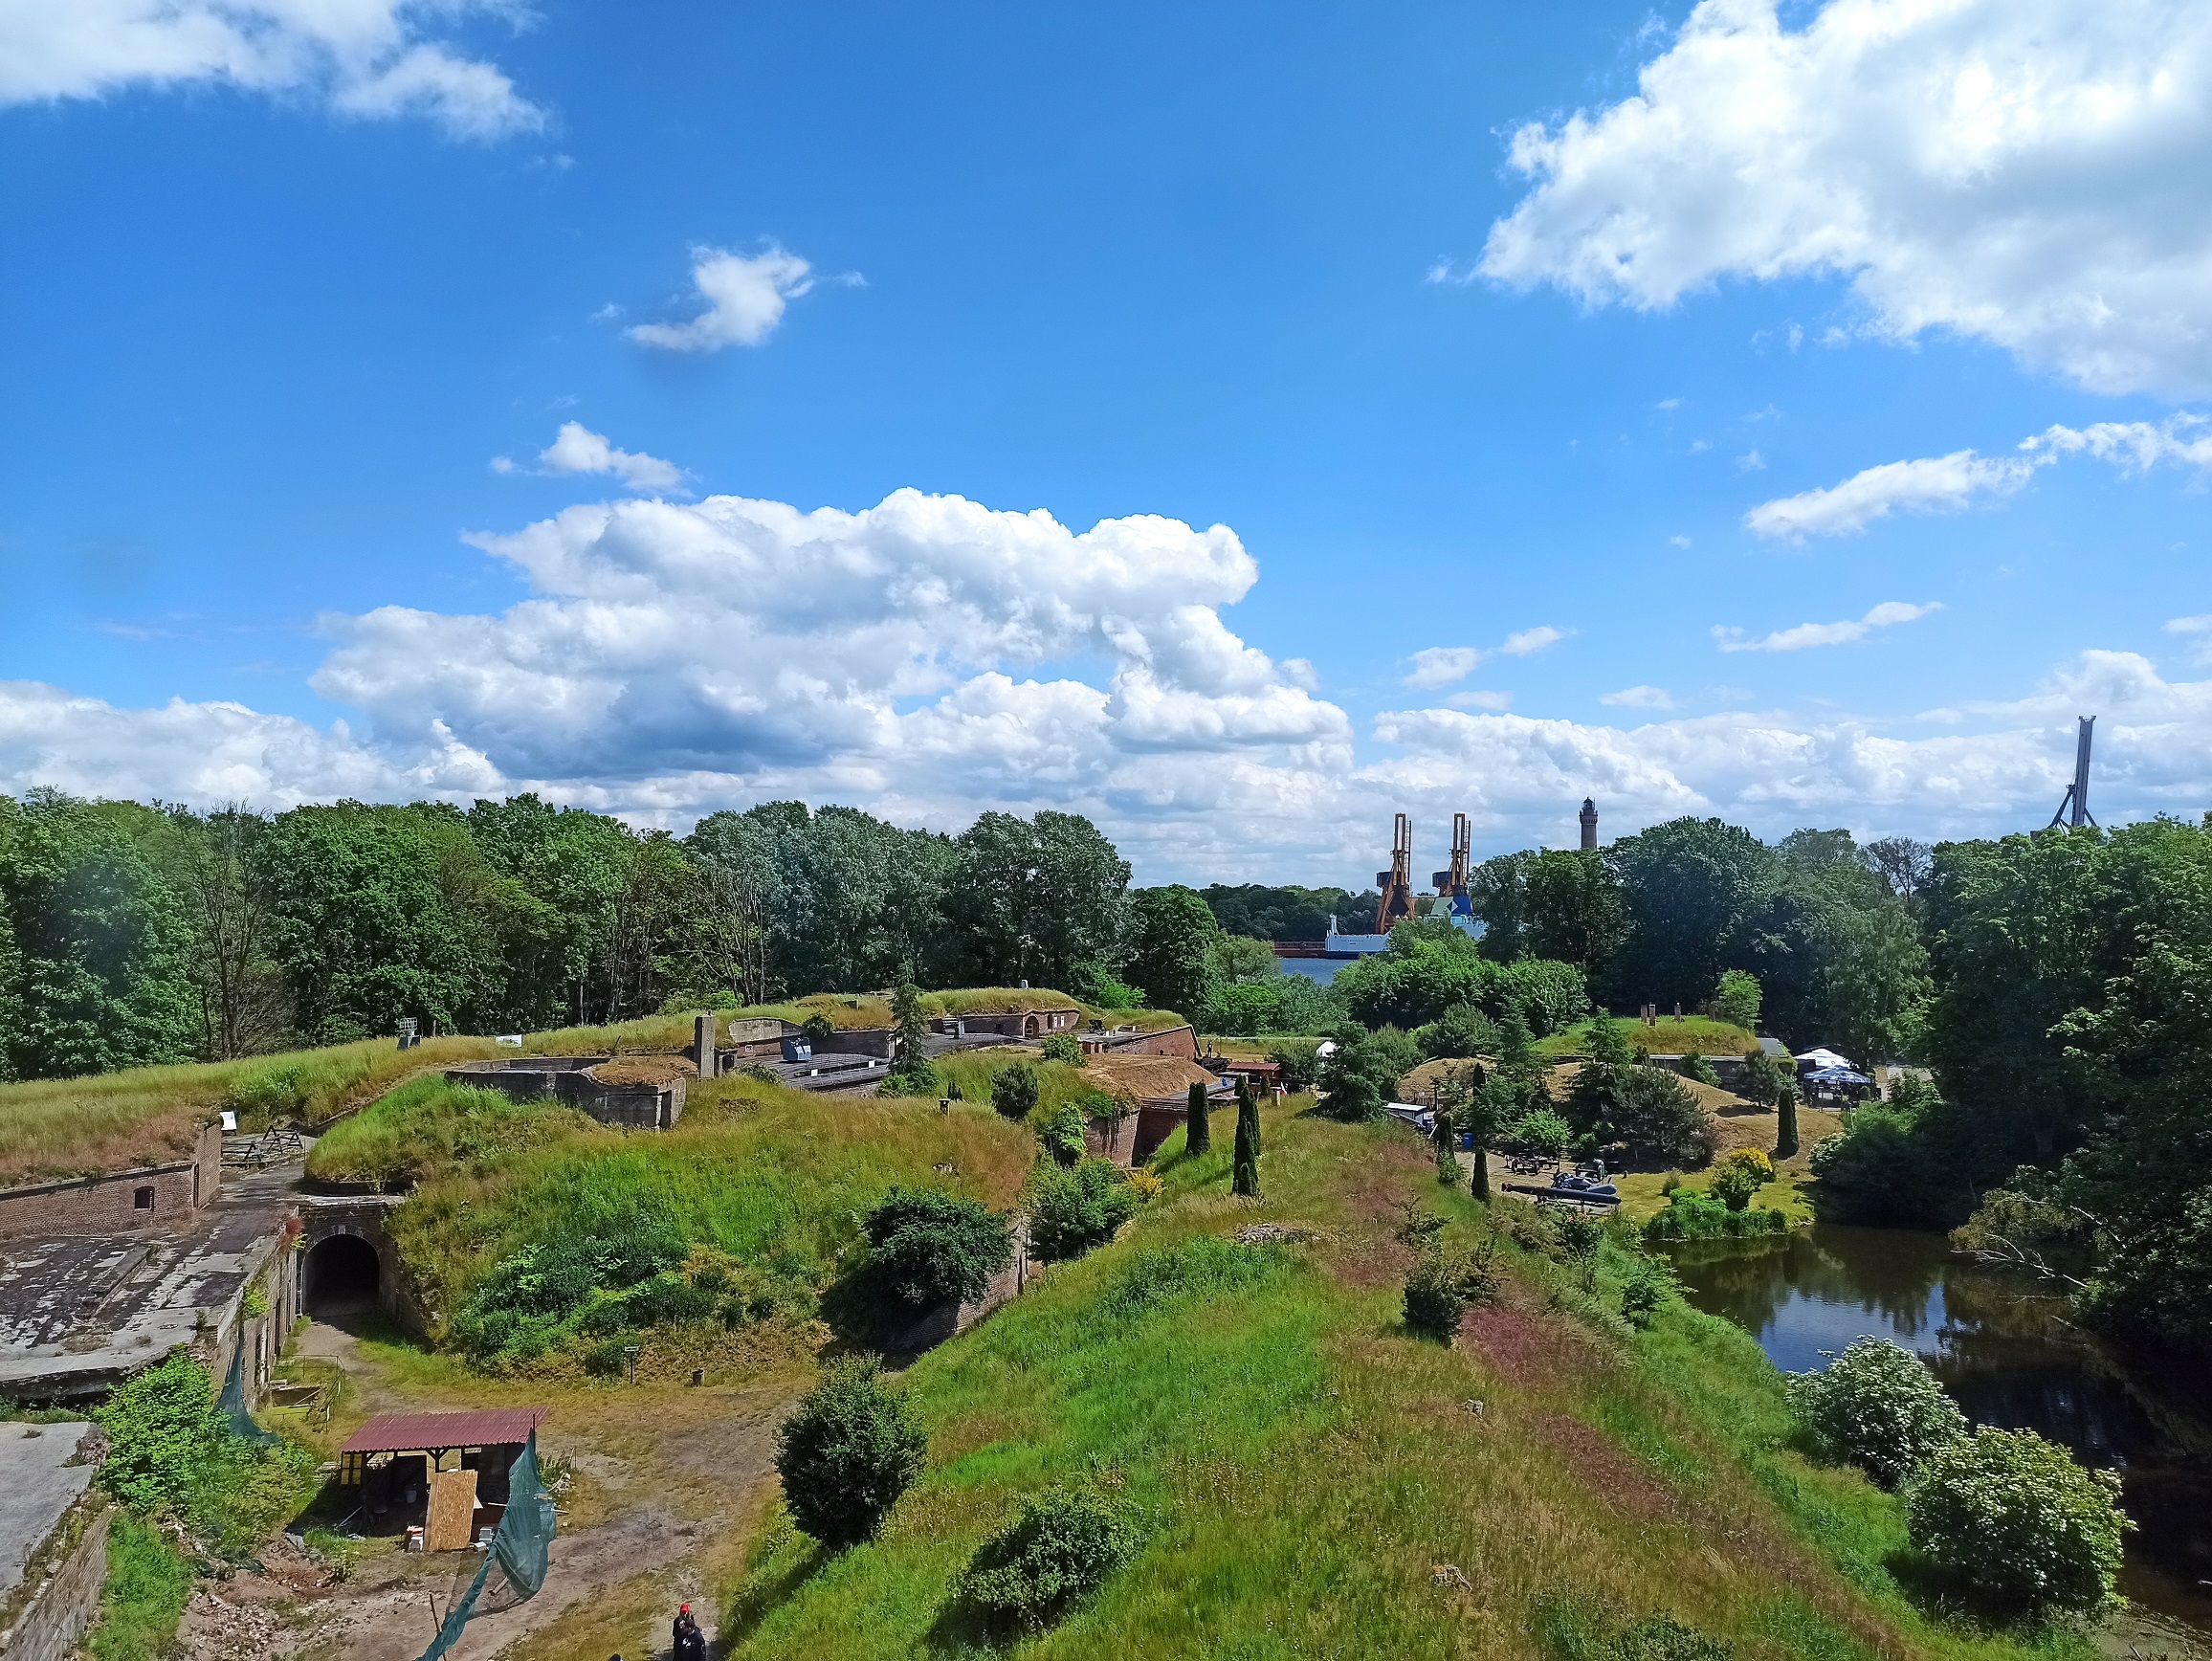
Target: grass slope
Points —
{"points": [[773, 1176], [1315, 1482]]}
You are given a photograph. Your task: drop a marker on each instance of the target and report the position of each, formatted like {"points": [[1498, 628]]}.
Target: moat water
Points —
{"points": [[1999, 1341]]}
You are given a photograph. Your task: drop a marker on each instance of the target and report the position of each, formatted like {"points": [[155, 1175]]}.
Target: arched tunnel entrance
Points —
{"points": [[342, 1275]]}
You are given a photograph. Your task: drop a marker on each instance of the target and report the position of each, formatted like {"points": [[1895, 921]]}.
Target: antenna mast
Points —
{"points": [[2073, 807]]}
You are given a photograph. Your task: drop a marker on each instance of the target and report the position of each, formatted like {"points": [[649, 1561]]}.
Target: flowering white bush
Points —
{"points": [[2015, 1518], [1876, 1406]]}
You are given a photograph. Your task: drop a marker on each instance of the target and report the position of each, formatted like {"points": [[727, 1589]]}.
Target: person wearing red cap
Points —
{"points": [[690, 1644]]}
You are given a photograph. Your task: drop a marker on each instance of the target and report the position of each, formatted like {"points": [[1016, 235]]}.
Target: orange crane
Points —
{"points": [[1452, 884], [1395, 883]]}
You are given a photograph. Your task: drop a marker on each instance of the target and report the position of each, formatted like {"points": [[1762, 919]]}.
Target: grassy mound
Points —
{"points": [[757, 1193], [1668, 1035], [1308, 1479], [428, 1127], [63, 1127]]}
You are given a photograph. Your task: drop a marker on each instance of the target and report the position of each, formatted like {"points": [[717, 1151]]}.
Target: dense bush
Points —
{"points": [[1061, 1129], [1301, 1064], [1878, 1406], [1542, 1135], [1362, 1077], [1057, 1552], [1015, 1091], [1075, 1207], [1740, 1176], [1462, 1031], [1699, 1069], [1649, 1285], [850, 1448], [1431, 967], [1440, 1287], [1693, 1215], [163, 1436], [926, 1248], [1063, 1047], [2018, 1524], [531, 1301]]}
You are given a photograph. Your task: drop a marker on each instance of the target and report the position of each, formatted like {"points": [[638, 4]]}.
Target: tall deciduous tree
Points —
{"points": [[1172, 934]]}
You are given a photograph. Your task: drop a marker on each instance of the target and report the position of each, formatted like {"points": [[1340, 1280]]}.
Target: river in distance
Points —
{"points": [[1999, 1341]]}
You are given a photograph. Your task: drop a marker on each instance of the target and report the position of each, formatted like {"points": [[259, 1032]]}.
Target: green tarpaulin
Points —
{"points": [[522, 1546]]}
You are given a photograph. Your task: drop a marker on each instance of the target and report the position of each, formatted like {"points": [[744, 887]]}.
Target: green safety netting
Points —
{"points": [[232, 1403], [522, 1547]]}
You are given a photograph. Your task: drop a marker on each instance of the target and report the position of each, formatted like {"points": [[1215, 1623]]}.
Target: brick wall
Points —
{"points": [[161, 1196], [1181, 1041]]}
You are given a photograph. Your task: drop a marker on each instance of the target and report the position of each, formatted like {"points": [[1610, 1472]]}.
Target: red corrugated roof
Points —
{"points": [[418, 1432]]}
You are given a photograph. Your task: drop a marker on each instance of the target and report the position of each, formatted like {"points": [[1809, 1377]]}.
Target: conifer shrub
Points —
{"points": [[1245, 1175], [847, 1453], [1015, 1091], [2018, 1524], [1697, 1068], [1198, 1124], [1057, 1552], [927, 1248], [1877, 1407]]}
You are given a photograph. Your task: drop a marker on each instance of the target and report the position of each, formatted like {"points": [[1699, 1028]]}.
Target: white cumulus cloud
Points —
{"points": [[1441, 665], [577, 448], [745, 294], [1887, 615], [363, 57], [2034, 173]]}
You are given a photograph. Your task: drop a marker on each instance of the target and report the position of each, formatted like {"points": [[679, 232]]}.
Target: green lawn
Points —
{"points": [[1668, 1035]]}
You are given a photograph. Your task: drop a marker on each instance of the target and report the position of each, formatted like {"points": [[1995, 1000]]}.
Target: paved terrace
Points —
{"points": [[78, 1314]]}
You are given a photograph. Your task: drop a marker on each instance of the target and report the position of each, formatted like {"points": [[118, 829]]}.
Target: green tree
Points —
{"points": [[96, 973], [1463, 1030], [1692, 885], [1575, 911], [1034, 900], [847, 1454], [1198, 1136], [1737, 1000], [911, 1073], [1172, 935], [1245, 1178]]}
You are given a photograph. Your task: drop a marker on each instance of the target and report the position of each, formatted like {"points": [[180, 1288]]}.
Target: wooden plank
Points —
{"points": [[449, 1521]]}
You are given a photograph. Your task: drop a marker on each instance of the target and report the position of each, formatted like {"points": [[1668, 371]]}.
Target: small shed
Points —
{"points": [[399, 1463]]}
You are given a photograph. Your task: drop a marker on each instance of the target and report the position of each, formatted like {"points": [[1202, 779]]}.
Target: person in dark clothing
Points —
{"points": [[690, 1644]]}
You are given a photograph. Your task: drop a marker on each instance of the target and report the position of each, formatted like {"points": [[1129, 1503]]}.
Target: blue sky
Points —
{"points": [[1492, 421]]}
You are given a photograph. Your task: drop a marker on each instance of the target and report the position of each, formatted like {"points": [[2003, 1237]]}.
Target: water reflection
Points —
{"points": [[2002, 1347]]}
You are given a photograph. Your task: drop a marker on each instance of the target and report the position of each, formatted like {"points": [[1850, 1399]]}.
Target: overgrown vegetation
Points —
{"points": [[427, 1126], [1879, 1407]]}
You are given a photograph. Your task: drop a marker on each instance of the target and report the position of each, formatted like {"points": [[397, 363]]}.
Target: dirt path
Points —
{"points": [[669, 1481]]}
